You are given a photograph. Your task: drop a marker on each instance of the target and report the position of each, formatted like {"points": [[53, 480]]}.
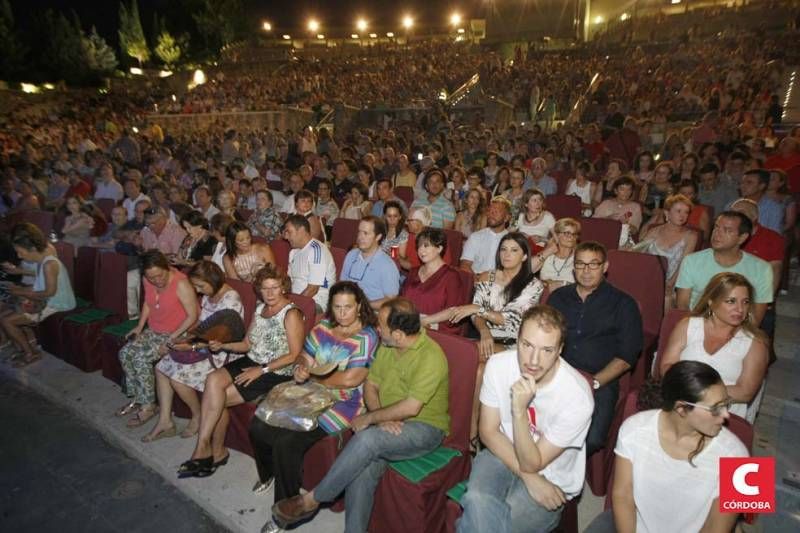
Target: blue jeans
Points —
{"points": [[497, 500], [360, 466]]}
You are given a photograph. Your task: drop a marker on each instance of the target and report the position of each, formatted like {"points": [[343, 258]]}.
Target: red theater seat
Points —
{"points": [[343, 234], [562, 205], [402, 505], [602, 230]]}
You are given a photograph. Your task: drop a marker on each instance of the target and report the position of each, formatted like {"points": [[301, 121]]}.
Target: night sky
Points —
{"points": [[286, 15]]}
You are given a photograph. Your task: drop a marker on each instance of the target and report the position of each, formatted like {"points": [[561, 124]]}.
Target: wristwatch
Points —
{"points": [[265, 369], [482, 310], [595, 384]]}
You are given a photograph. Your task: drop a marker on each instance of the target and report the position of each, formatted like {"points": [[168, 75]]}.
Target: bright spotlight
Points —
{"points": [[354, 36], [455, 19], [137, 71], [266, 26], [373, 35], [390, 34], [624, 17], [313, 25], [286, 36], [408, 22], [598, 19], [461, 30], [320, 36], [361, 24]]}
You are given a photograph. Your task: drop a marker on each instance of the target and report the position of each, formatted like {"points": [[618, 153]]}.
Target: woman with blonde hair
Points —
{"points": [[555, 264], [720, 332], [673, 239]]}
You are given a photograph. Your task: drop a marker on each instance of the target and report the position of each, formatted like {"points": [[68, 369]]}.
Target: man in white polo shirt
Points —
{"points": [[311, 266], [535, 413], [480, 249]]}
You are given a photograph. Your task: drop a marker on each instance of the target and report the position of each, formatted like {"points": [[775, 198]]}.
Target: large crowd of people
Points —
{"points": [[453, 231]]}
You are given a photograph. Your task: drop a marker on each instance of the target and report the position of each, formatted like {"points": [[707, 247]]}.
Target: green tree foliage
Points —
{"points": [[131, 35], [62, 53], [168, 48], [13, 52], [100, 57], [219, 22]]}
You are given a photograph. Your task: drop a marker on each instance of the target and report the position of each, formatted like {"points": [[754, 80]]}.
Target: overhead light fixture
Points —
{"points": [[390, 34], [373, 35], [137, 71], [354, 36], [286, 36]]}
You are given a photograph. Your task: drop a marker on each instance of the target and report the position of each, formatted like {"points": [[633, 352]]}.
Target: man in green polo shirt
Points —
{"points": [[406, 393]]}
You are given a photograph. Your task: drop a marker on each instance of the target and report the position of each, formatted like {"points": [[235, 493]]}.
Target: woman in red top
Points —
{"points": [[434, 285], [170, 308], [419, 218]]}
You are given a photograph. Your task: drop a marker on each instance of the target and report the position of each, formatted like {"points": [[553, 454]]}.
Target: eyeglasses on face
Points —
{"points": [[594, 265], [568, 233], [715, 410]]}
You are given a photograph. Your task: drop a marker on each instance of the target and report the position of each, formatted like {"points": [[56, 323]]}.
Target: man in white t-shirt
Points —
{"points": [[535, 413], [480, 250], [311, 266]]}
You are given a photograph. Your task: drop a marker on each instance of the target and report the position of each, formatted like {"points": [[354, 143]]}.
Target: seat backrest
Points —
{"points": [[66, 254], [562, 205], [602, 230], [455, 245], [248, 297], [85, 271], [106, 205], [405, 193], [338, 259], [467, 278], [462, 361], [629, 408], [111, 288], [742, 429], [281, 249], [642, 277], [793, 179], [44, 220], [308, 307], [343, 234], [669, 322]]}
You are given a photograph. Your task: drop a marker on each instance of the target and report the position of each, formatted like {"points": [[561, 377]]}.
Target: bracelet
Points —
{"points": [[265, 369]]}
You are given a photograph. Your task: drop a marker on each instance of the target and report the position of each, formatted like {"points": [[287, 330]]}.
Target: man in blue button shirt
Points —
{"points": [[369, 267], [604, 334]]}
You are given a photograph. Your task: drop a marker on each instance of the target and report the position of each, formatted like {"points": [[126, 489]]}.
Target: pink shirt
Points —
{"points": [[168, 242], [166, 310]]}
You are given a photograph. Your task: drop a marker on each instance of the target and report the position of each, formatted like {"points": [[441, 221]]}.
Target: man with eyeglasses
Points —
{"points": [[480, 249], [161, 233], [604, 334], [369, 267]]}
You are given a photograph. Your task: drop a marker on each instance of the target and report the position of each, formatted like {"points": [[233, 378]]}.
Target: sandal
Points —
{"points": [[188, 433], [127, 409], [163, 434], [194, 467], [222, 462], [141, 417]]}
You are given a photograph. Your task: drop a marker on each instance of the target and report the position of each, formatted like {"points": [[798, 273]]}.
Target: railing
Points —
{"points": [[580, 104], [460, 93], [285, 118]]}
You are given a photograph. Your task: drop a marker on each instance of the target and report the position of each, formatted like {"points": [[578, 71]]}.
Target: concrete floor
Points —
{"points": [[227, 498]]}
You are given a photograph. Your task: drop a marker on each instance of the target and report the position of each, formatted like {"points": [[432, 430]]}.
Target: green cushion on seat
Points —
{"points": [[121, 329], [89, 316], [415, 470], [80, 303], [457, 492]]}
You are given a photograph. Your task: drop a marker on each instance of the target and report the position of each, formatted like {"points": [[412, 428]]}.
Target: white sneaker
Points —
{"points": [[271, 527]]}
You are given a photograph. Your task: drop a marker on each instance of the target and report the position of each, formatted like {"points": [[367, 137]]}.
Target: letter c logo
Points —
{"points": [[740, 482]]}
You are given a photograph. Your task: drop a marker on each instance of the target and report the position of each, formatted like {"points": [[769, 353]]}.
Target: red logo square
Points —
{"points": [[747, 484]]}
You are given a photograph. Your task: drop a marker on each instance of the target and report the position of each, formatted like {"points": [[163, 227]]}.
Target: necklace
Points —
{"points": [[563, 265]]}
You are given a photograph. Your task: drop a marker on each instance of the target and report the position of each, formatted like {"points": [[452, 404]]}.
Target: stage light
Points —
{"points": [[408, 22], [455, 19], [599, 19], [286, 36], [313, 26], [266, 26], [361, 24]]}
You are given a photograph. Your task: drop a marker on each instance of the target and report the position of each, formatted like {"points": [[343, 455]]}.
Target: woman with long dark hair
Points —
{"points": [[244, 257], [346, 336], [666, 474], [501, 297]]}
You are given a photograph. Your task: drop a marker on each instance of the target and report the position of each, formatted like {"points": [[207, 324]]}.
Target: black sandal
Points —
{"points": [[197, 468]]}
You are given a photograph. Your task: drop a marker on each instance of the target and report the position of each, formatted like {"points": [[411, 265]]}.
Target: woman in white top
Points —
{"points": [[721, 333], [555, 264], [581, 187], [666, 474], [534, 220], [77, 224]]}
